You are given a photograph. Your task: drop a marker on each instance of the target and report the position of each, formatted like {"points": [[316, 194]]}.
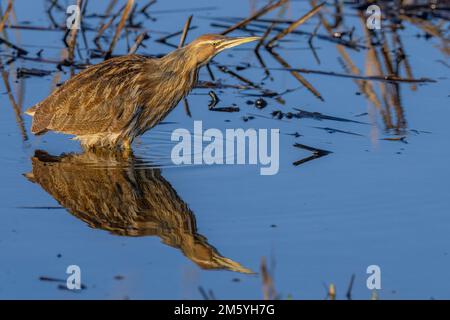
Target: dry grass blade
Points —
{"points": [[185, 31], [295, 25], [16, 107], [104, 26], [141, 37], [73, 37], [296, 75], [267, 280], [332, 291], [6, 15], [256, 15], [120, 26]]}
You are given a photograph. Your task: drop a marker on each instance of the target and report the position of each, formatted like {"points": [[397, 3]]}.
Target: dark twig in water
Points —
{"points": [[54, 4], [265, 92], [320, 116], [26, 72], [19, 50], [350, 287], [43, 60], [214, 100], [211, 74], [399, 139], [264, 37], [226, 109], [262, 63], [384, 78], [332, 130], [203, 293], [310, 42], [61, 287], [226, 70], [262, 11], [186, 107], [148, 5], [294, 25], [218, 85], [317, 153]]}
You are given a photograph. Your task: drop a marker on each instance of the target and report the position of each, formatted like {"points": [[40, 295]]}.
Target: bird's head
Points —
{"points": [[207, 46]]}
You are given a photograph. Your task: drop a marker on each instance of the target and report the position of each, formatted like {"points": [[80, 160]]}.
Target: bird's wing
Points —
{"points": [[102, 98]]}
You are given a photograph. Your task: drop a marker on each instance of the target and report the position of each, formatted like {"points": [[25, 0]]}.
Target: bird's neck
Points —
{"points": [[182, 68], [180, 61]]}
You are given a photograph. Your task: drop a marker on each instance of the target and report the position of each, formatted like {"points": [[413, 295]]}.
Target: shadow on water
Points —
{"points": [[117, 197]]}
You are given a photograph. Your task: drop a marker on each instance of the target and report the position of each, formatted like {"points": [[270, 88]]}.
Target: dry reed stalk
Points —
{"points": [[6, 15], [120, 27], [16, 107], [295, 25], [73, 38], [296, 75], [141, 37], [185, 31], [266, 9]]}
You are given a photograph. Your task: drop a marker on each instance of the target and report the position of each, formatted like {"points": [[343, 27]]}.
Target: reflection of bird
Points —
{"points": [[110, 193], [111, 103]]}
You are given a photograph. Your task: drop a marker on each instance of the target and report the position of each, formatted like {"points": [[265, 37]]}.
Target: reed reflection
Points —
{"points": [[116, 194]]}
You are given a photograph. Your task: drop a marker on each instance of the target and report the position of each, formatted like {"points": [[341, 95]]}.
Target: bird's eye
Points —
{"points": [[215, 43]]}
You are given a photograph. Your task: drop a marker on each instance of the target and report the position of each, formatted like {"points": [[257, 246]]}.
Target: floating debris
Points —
{"points": [[317, 153], [278, 114], [214, 100], [62, 285], [320, 116], [226, 109], [247, 118], [26, 72], [332, 130], [398, 139], [261, 103]]}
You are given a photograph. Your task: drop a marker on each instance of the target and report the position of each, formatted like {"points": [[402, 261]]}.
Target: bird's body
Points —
{"points": [[109, 104]]}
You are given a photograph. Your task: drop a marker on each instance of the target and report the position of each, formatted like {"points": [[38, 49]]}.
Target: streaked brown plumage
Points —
{"points": [[113, 193], [109, 104]]}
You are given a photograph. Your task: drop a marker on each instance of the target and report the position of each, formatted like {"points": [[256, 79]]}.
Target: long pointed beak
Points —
{"points": [[233, 42]]}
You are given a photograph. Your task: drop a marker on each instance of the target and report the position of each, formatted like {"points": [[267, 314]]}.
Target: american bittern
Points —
{"points": [[109, 104], [116, 194]]}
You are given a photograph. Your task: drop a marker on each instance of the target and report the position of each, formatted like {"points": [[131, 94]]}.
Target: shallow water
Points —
{"points": [[167, 230]]}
